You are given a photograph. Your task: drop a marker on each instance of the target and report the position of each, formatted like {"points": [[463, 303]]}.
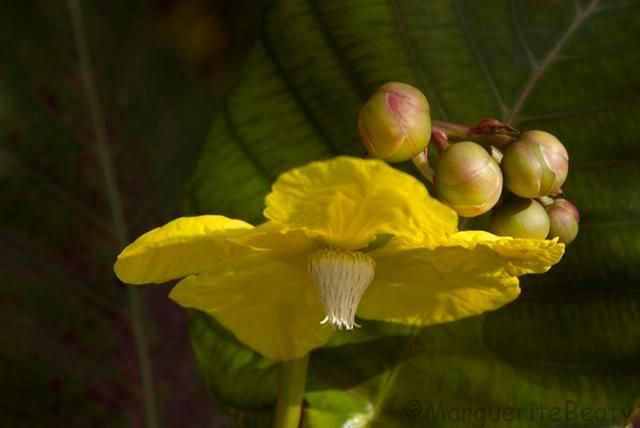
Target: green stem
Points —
{"points": [[103, 154], [421, 162], [453, 131], [293, 377], [488, 132]]}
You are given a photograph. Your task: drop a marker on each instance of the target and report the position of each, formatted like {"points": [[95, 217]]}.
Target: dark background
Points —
{"points": [[67, 352]]}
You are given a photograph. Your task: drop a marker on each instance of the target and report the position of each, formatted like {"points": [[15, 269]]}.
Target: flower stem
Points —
{"points": [[105, 162], [452, 131], [293, 377], [488, 132], [421, 162]]}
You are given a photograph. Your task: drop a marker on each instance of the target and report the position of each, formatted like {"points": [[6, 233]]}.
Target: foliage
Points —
{"points": [[566, 67]]}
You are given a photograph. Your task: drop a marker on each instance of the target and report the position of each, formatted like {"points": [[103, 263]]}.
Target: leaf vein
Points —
{"points": [[517, 25], [331, 42], [401, 27], [241, 142], [537, 72], [478, 55], [293, 90]]}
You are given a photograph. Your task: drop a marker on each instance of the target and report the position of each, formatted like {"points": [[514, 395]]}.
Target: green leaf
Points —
{"points": [[565, 67]]}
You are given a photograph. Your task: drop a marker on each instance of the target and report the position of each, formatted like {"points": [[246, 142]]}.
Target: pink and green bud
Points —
{"points": [[535, 165], [468, 179], [564, 218], [520, 218], [394, 124]]}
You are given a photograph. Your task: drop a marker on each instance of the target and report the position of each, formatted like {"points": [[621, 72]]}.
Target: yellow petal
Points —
{"points": [[265, 299], [182, 247], [348, 201], [473, 273], [520, 256], [273, 236]]}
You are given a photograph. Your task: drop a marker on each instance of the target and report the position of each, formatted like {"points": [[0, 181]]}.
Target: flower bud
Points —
{"points": [[394, 124], [468, 179], [564, 218], [535, 165], [520, 218]]}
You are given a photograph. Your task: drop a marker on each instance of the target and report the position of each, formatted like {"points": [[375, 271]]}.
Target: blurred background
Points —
{"points": [[201, 104], [67, 350]]}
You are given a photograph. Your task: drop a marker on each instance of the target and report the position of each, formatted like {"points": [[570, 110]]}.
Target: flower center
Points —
{"points": [[341, 278]]}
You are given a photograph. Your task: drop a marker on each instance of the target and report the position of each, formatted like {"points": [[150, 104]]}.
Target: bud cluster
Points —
{"points": [[475, 170], [535, 165]]}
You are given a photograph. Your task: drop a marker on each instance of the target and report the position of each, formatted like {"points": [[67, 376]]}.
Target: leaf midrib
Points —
{"points": [[538, 71]]}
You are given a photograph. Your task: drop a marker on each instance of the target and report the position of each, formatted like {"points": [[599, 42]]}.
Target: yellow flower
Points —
{"points": [[345, 236]]}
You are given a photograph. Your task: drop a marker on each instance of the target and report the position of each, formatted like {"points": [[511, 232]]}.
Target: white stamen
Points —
{"points": [[341, 278]]}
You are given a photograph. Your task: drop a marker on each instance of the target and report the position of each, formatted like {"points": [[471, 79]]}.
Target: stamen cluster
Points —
{"points": [[341, 278]]}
